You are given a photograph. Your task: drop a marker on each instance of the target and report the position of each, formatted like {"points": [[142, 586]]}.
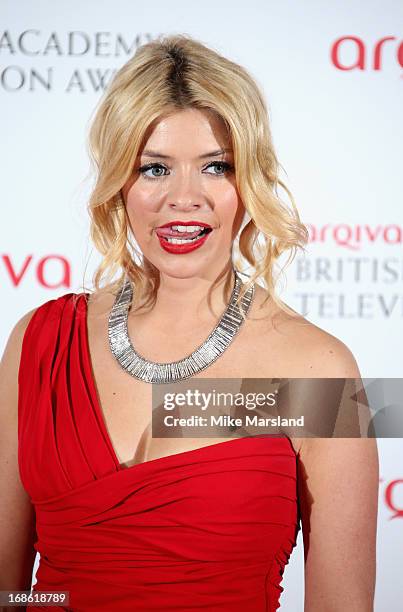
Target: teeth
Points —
{"points": [[187, 228], [181, 240]]}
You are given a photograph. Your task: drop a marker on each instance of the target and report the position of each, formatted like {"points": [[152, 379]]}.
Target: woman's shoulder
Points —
{"points": [[40, 315], [305, 349], [14, 342]]}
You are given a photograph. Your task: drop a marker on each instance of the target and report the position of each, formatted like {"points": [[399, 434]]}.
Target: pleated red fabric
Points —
{"points": [[206, 529]]}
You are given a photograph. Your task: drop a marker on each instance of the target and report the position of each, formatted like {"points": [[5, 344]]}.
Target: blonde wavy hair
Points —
{"points": [[173, 73]]}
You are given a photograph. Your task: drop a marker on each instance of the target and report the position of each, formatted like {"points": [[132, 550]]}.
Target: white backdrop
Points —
{"points": [[332, 76]]}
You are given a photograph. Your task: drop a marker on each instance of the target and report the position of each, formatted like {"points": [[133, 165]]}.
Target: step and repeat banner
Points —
{"points": [[331, 73]]}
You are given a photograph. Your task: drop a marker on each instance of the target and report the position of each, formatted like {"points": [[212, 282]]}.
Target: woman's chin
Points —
{"points": [[177, 267]]}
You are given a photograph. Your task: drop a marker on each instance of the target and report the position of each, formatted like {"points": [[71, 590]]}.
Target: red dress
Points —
{"points": [[206, 529]]}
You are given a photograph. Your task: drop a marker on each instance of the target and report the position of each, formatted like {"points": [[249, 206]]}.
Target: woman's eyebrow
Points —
{"points": [[150, 153]]}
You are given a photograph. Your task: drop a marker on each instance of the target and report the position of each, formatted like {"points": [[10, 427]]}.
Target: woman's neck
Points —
{"points": [[183, 303]]}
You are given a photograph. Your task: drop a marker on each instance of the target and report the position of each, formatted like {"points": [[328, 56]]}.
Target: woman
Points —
{"points": [[186, 177]]}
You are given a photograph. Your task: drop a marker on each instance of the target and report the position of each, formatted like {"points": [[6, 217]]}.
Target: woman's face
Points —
{"points": [[184, 175]]}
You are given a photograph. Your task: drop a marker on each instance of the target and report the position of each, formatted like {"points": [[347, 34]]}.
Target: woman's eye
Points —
{"points": [[156, 170], [152, 171], [222, 166]]}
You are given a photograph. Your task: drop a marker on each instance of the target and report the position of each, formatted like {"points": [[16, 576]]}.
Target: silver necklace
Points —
{"points": [[153, 372]]}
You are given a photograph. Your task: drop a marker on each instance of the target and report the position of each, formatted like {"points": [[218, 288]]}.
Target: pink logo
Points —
{"points": [[389, 498], [40, 269], [354, 236], [362, 57]]}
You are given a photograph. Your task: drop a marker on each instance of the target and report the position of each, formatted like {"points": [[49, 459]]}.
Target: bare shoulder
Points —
{"points": [[291, 346], [22, 323], [302, 348], [13, 346], [9, 367], [319, 353], [17, 524]]}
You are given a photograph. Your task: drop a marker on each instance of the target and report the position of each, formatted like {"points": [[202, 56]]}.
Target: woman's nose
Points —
{"points": [[185, 192], [184, 204]]}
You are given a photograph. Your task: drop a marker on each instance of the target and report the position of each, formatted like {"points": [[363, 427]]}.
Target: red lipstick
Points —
{"points": [[182, 241]]}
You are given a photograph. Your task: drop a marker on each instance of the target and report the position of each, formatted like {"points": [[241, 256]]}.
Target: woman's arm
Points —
{"points": [[338, 492], [17, 516]]}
